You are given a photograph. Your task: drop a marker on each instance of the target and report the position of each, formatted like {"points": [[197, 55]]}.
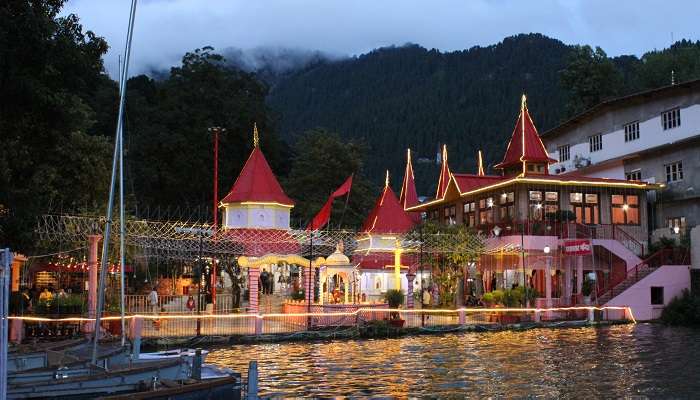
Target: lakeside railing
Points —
{"points": [[318, 322]]}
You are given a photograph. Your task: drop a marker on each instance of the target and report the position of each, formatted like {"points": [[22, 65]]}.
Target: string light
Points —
{"points": [[334, 314]]}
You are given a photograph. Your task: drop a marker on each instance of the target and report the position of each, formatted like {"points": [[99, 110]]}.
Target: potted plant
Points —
{"points": [[395, 299], [586, 290], [488, 299]]}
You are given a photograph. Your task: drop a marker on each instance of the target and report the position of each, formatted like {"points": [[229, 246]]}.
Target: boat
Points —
{"points": [[36, 355], [65, 354], [68, 363], [216, 389], [98, 382], [188, 354]]}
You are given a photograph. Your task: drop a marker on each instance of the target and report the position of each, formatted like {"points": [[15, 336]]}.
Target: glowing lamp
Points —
{"points": [[496, 230], [538, 206], [676, 229], [625, 207], [547, 249]]}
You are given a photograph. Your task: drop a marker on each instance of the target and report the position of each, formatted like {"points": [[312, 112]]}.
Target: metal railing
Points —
{"points": [[363, 319], [666, 256], [175, 304], [567, 230]]}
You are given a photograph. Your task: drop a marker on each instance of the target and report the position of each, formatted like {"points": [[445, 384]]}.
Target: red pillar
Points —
{"points": [[253, 279], [93, 267], [216, 214], [309, 284], [409, 290]]}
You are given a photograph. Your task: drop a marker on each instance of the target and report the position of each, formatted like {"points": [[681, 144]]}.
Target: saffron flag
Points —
{"points": [[323, 216], [343, 189]]}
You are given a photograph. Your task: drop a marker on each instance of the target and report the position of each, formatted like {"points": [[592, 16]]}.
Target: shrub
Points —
{"points": [[587, 287], [298, 295], [394, 297], [497, 296], [488, 298], [683, 310]]}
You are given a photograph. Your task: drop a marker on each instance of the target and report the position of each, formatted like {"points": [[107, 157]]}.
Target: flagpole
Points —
{"points": [[347, 199]]}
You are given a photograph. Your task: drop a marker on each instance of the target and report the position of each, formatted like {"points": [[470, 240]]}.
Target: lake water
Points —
{"points": [[645, 360]]}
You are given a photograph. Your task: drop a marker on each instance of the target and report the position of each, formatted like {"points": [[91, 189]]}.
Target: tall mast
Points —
{"points": [[110, 206]]}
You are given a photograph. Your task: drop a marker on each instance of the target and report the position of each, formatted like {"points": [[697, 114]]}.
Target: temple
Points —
{"points": [[378, 254], [559, 234]]}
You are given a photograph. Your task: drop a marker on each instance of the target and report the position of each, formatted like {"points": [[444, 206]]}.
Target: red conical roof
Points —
{"points": [[444, 179], [257, 183], [409, 195], [387, 216], [525, 144]]}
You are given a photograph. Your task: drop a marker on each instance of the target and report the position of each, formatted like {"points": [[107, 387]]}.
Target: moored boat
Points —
{"points": [[97, 382], [226, 388]]}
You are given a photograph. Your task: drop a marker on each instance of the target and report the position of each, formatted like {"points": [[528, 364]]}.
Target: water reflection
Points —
{"points": [[611, 362]]}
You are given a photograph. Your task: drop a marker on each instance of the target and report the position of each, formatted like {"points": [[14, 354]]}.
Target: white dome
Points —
{"points": [[337, 258]]}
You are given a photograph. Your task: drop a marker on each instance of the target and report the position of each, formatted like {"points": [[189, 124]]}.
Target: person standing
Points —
{"points": [[426, 298], [153, 300]]}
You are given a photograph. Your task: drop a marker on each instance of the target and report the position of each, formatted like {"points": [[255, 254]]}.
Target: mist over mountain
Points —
{"points": [[271, 64]]}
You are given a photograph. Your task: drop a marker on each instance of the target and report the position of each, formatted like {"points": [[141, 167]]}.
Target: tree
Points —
{"points": [[450, 248], [170, 149], [50, 72], [590, 77], [321, 162]]}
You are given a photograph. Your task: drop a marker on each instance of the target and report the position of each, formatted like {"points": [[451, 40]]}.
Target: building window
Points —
{"points": [[551, 204], [676, 222], [595, 142], [469, 214], [536, 205], [635, 175], [585, 207], [657, 295], [674, 172], [507, 206], [564, 153], [486, 211], [671, 119], [450, 215], [434, 215], [632, 131], [625, 209]]}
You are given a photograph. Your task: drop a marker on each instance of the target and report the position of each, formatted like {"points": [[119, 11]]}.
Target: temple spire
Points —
{"points": [[256, 137], [386, 180], [409, 196], [444, 175], [480, 172], [525, 147]]}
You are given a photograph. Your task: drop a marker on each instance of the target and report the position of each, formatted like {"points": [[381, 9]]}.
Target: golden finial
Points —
{"points": [[480, 172], [256, 137], [444, 153], [523, 102], [386, 181]]}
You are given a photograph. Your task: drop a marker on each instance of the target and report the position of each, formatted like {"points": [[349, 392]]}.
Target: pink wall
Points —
{"points": [[673, 278]]}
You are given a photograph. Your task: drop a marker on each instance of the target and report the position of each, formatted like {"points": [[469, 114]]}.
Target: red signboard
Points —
{"points": [[577, 247]]}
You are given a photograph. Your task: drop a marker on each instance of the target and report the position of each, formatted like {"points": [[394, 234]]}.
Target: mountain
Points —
{"points": [[408, 96]]}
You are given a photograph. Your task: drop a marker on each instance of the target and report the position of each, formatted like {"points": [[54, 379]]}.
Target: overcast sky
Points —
{"points": [[166, 29]]}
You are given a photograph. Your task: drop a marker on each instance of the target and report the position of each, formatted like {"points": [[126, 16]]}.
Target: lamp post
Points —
{"points": [[215, 130]]}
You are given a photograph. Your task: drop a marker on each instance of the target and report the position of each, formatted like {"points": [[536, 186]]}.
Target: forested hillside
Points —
{"points": [[394, 98], [399, 97]]}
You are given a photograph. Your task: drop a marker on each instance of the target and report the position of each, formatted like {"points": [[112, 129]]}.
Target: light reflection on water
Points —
{"points": [[610, 362]]}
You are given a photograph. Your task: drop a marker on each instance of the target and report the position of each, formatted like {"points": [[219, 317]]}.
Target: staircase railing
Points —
{"points": [[666, 256]]}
